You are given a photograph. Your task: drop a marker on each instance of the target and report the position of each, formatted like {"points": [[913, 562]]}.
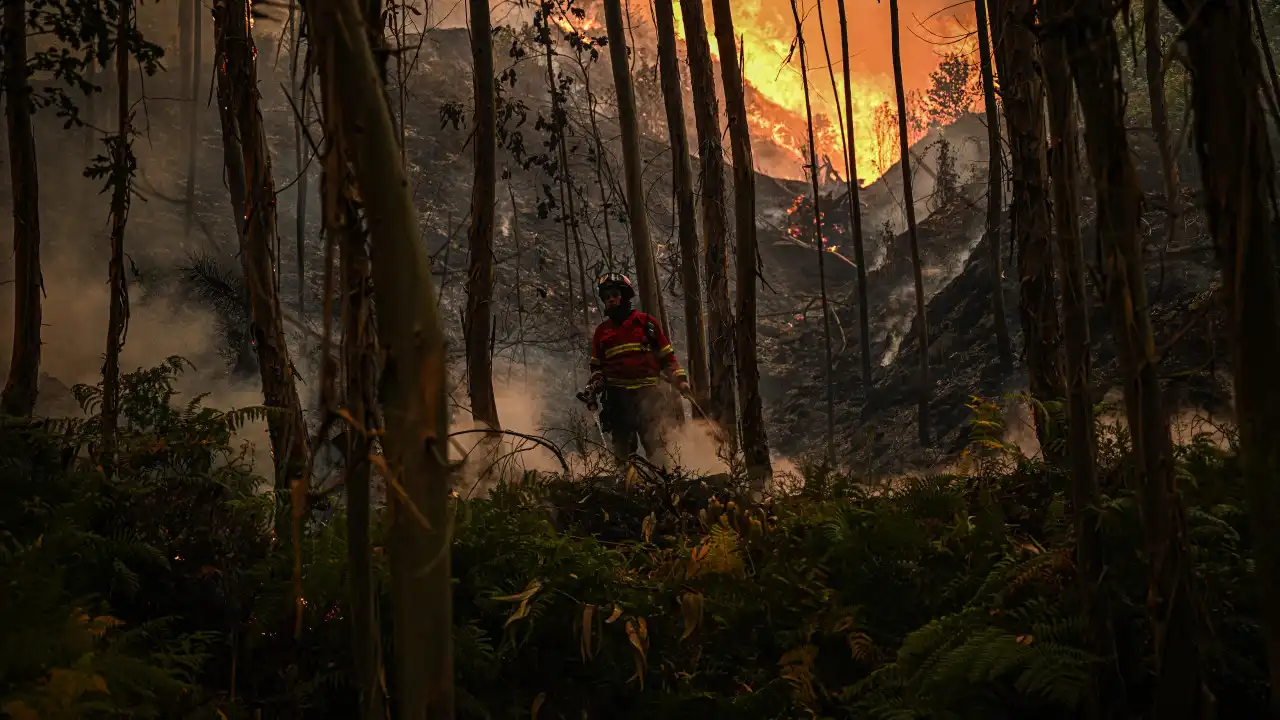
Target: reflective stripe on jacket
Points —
{"points": [[623, 355]]}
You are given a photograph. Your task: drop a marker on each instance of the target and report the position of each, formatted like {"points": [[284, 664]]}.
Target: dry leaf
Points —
{"points": [[650, 521], [617, 612], [691, 607], [588, 626], [537, 705]]}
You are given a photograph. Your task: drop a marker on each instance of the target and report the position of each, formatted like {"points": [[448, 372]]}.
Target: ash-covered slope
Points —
{"points": [[877, 426]]}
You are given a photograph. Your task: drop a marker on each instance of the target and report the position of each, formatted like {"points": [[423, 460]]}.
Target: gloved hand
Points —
{"points": [[684, 388], [588, 397]]}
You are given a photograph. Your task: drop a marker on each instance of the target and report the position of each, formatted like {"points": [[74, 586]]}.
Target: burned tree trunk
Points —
{"points": [[1172, 597], [855, 203], [755, 442], [673, 97], [995, 186], [414, 399], [484, 191], [723, 405], [1160, 117], [925, 388], [633, 164], [1238, 166], [122, 165], [1023, 94], [817, 231], [1064, 169], [253, 199], [21, 387]]}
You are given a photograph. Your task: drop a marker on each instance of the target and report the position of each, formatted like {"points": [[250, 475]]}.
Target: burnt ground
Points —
{"points": [[876, 426]]}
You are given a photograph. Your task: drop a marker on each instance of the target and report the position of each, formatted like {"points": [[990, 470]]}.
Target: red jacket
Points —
{"points": [[627, 355]]}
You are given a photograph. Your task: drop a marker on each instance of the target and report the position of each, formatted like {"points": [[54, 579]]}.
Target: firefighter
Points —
{"points": [[629, 353]]}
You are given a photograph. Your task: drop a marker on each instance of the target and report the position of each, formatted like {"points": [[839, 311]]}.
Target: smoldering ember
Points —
{"points": [[569, 359]]}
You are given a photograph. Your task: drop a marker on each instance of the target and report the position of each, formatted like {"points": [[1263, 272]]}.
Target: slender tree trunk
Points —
{"points": [[1064, 168], [118, 312], [995, 186], [1172, 598], [185, 10], [925, 388], [193, 112], [484, 192], [633, 164], [559, 122], [599, 158], [1238, 166], [1160, 118], [855, 202], [22, 385], [722, 404], [299, 86], [755, 442], [414, 400], [819, 239], [1023, 94], [253, 198], [673, 97]]}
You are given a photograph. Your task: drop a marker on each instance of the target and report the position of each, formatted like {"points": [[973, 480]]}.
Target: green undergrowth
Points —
{"points": [[160, 592]]}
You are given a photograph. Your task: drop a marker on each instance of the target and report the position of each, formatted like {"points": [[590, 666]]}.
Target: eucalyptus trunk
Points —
{"points": [[995, 186], [1237, 163], [855, 203], [722, 404], [755, 442], [22, 385], [682, 179], [121, 193], [924, 384], [484, 191]]}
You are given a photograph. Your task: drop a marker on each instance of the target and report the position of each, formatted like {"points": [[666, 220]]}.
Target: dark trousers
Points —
{"points": [[626, 414]]}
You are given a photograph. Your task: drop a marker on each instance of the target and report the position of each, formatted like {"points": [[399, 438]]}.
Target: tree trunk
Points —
{"points": [[755, 443], [1172, 597], [193, 113], [118, 312], [414, 399], [819, 239], [633, 164], [360, 375], [1064, 167], [925, 389], [299, 88], [855, 203], [22, 385], [245, 145], [995, 186], [185, 10], [1238, 167], [673, 98], [1160, 118], [484, 192], [722, 405], [1023, 95]]}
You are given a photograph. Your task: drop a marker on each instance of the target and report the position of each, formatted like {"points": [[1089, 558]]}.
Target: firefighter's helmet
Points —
{"points": [[615, 281]]}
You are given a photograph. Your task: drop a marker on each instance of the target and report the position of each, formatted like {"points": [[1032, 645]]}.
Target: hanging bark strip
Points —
{"points": [[122, 168], [722, 405], [755, 443], [673, 97], [1094, 53], [1237, 163], [995, 186], [1023, 93], [484, 190], [253, 199], [415, 404], [22, 385], [817, 231], [855, 203], [925, 388], [1064, 164]]}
